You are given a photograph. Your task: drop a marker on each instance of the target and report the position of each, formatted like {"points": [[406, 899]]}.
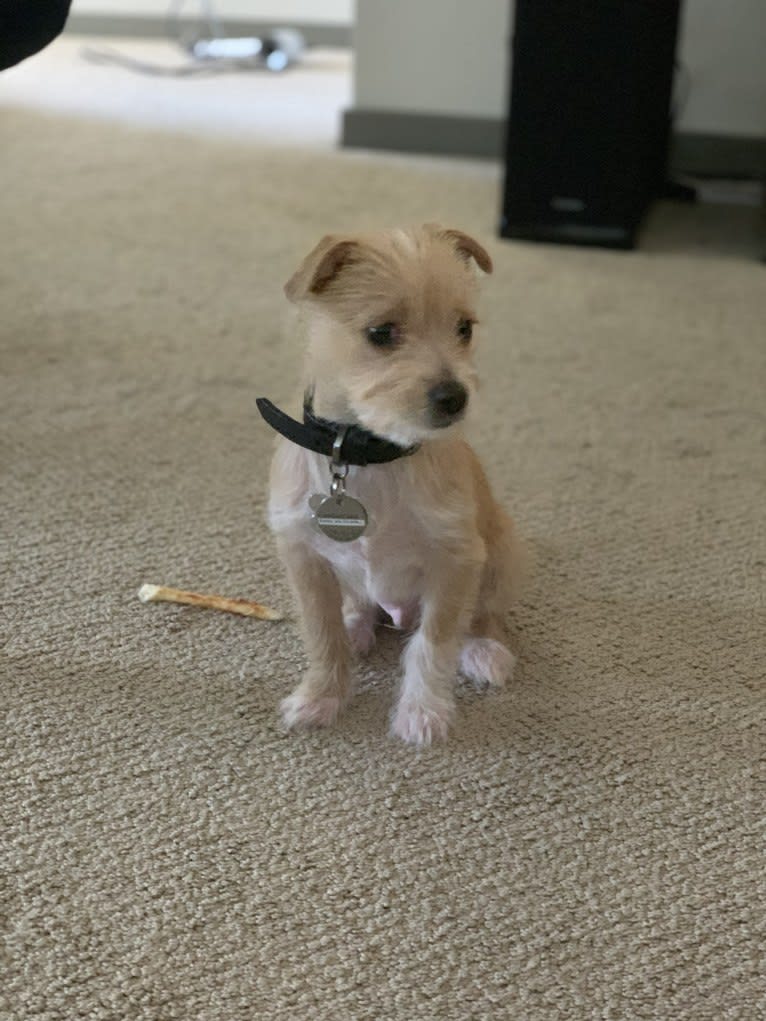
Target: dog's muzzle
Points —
{"points": [[446, 403]]}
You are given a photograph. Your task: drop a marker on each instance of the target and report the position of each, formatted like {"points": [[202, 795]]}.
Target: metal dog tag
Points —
{"points": [[339, 517]]}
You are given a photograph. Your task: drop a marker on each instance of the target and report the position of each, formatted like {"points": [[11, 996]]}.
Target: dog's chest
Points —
{"points": [[386, 563]]}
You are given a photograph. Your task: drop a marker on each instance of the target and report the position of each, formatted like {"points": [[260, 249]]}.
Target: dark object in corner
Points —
{"points": [[27, 26], [676, 191], [590, 118]]}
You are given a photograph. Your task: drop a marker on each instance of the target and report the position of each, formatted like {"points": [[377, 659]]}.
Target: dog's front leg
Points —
{"points": [[427, 700], [326, 685]]}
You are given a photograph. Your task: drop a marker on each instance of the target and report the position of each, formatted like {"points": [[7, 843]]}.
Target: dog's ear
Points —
{"points": [[321, 266], [466, 246]]}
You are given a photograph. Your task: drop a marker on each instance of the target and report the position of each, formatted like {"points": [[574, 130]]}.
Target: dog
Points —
{"points": [[378, 504]]}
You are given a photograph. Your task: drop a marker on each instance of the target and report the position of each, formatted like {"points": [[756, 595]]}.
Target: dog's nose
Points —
{"points": [[446, 401]]}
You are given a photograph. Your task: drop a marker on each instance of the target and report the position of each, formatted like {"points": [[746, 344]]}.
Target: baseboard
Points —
{"points": [[423, 133], [691, 153], [163, 28], [731, 156]]}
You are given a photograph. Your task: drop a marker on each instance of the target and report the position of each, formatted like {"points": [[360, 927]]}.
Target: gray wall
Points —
{"points": [[723, 48], [432, 56]]}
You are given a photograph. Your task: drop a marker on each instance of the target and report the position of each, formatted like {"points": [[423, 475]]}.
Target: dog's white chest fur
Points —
{"points": [[387, 564]]}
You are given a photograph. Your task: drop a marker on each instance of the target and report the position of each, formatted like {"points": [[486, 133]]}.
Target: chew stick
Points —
{"points": [[244, 607]]}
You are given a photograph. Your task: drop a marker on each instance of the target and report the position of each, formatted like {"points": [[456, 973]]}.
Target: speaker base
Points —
{"points": [[571, 234]]}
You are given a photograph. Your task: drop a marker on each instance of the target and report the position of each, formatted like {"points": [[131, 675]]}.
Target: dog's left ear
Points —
{"points": [[466, 246], [320, 266]]}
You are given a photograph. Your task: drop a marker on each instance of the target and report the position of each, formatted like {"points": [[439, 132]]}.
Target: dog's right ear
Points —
{"points": [[321, 266]]}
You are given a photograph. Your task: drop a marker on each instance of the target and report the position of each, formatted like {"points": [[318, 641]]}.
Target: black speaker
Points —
{"points": [[589, 123]]}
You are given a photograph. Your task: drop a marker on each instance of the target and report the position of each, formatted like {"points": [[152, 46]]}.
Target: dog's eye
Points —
{"points": [[384, 335], [465, 330]]}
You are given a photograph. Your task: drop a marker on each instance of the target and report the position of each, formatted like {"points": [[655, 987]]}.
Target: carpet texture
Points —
{"points": [[589, 844]]}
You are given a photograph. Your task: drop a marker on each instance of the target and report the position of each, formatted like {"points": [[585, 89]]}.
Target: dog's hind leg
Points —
{"points": [[485, 657]]}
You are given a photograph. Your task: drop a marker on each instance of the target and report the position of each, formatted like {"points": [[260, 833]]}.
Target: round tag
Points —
{"points": [[339, 517]]}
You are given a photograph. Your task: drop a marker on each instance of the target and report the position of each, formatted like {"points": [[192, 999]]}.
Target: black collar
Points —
{"points": [[359, 447]]}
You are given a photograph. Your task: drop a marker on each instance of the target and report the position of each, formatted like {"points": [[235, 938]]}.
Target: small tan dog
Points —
{"points": [[376, 500]]}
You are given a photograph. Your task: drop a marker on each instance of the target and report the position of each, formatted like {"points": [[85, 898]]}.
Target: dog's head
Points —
{"points": [[391, 321]]}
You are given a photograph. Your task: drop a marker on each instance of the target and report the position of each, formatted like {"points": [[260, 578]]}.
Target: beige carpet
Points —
{"points": [[590, 842]]}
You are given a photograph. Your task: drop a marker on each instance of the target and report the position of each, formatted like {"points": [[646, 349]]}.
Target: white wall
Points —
{"points": [[432, 56], [723, 48], [451, 57], [331, 12]]}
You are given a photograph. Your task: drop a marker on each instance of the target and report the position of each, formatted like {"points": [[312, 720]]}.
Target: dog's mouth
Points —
{"points": [[445, 405], [407, 434], [440, 420]]}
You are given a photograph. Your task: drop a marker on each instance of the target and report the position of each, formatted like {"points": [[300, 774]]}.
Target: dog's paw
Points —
{"points": [[486, 662], [300, 710], [360, 628], [422, 723]]}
